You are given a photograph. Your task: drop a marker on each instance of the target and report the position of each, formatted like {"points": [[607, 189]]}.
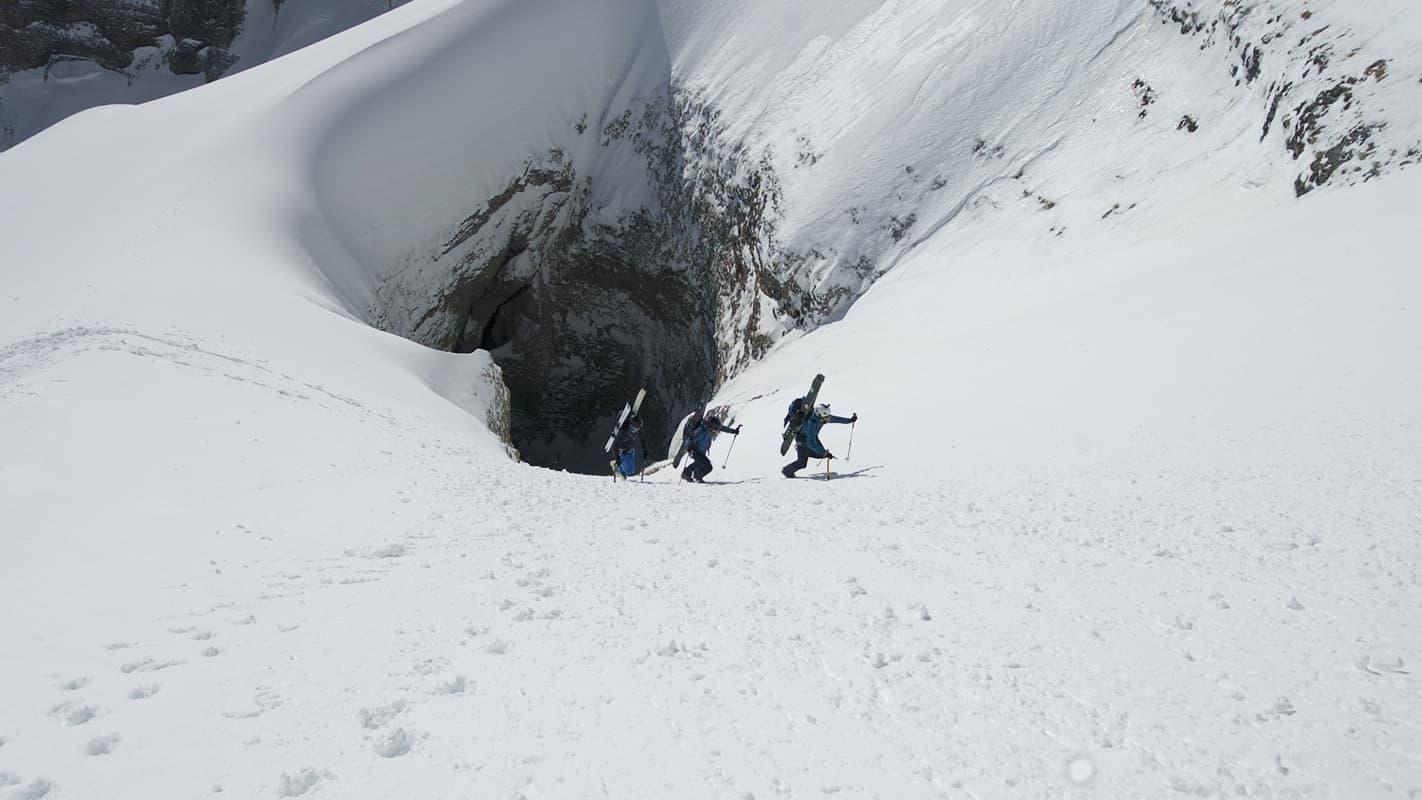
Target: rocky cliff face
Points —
{"points": [[58, 57], [189, 36], [581, 305], [1330, 90]]}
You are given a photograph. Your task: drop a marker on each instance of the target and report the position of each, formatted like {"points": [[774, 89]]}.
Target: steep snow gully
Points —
{"points": [[659, 204]]}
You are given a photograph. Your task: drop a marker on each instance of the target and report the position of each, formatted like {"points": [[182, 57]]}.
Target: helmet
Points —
{"points": [[634, 423], [822, 410], [713, 423]]}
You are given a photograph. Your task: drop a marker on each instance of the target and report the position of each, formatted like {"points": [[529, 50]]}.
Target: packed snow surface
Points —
{"points": [[1129, 512]]}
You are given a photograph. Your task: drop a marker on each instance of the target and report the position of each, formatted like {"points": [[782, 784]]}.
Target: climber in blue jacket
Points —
{"points": [[807, 438]]}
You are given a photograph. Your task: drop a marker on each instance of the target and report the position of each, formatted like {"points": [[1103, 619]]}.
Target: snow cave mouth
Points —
{"points": [[635, 255], [574, 348]]}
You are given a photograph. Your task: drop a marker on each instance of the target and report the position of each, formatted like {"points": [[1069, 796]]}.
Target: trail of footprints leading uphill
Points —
{"points": [[143, 664], [905, 673]]}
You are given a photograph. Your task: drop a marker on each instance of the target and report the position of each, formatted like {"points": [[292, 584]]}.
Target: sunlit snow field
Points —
{"points": [[1130, 512]]}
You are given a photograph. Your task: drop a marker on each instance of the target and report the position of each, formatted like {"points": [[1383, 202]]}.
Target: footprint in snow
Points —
{"points": [[457, 686], [76, 683], [397, 743], [377, 717], [102, 745], [264, 700], [72, 714], [143, 691], [36, 790], [148, 665], [388, 551], [302, 782], [430, 666]]}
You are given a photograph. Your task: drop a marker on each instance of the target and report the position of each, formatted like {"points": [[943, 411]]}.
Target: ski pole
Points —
{"points": [[727, 460], [850, 451]]}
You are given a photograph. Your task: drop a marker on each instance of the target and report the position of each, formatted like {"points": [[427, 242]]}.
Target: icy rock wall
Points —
{"points": [[582, 301], [198, 33], [59, 57], [1343, 96]]}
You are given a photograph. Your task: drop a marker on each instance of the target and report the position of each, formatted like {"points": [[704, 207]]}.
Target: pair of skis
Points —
{"points": [[628, 409]]}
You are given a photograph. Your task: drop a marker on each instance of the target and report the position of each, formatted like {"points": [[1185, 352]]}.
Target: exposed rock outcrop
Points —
{"points": [[579, 308], [193, 36], [1327, 94]]}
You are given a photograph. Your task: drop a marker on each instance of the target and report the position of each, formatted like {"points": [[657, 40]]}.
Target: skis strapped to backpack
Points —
{"points": [[807, 406], [628, 409]]}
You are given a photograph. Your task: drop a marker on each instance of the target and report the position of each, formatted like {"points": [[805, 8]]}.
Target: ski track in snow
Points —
{"points": [[21, 361], [884, 636]]}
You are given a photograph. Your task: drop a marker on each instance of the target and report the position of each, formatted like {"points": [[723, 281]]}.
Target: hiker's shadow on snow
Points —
{"points": [[834, 476]]}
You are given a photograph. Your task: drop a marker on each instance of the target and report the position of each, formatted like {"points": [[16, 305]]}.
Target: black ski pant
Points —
{"points": [[802, 460], [699, 467]]}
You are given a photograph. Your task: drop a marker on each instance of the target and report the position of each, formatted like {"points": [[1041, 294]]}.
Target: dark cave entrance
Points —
{"points": [[575, 347]]}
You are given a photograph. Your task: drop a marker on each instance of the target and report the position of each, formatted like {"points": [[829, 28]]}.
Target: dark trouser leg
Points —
{"points": [[799, 463], [700, 466]]}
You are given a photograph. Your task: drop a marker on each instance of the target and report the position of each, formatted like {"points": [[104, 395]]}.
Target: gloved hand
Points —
{"points": [[854, 418], [736, 432], [828, 455]]}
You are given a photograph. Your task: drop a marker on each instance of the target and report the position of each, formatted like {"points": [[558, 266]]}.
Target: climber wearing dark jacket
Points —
{"points": [[698, 442]]}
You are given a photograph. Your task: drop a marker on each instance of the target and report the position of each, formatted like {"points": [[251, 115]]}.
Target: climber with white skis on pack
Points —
{"points": [[697, 443], [807, 434], [629, 445]]}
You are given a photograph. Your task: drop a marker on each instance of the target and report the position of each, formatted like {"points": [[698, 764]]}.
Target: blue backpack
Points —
{"points": [[793, 410]]}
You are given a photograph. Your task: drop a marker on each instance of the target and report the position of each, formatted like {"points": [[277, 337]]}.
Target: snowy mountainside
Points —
{"points": [[717, 176], [704, 160], [1129, 510]]}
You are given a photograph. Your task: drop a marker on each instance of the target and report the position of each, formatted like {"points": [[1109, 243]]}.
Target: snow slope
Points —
{"points": [[1130, 512]]}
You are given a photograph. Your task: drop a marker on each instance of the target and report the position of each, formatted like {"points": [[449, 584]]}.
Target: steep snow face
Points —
{"points": [[884, 121], [749, 174], [57, 58]]}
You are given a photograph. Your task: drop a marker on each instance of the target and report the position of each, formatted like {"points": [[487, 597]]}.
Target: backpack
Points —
{"points": [[793, 410]]}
